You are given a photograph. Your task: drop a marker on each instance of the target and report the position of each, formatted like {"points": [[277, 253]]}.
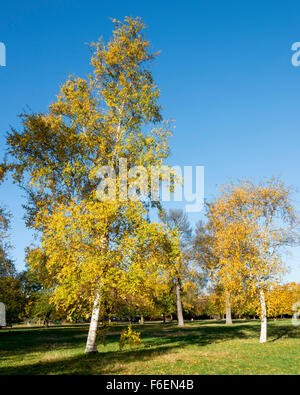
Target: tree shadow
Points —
{"points": [[281, 332], [101, 363], [157, 339], [18, 341]]}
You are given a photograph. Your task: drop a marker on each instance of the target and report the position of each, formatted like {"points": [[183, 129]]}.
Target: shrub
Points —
{"points": [[129, 337]]}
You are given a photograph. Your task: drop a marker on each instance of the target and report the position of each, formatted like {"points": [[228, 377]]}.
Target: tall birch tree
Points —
{"points": [[110, 118]]}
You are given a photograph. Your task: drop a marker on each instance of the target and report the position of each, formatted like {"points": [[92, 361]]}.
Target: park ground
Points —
{"points": [[201, 347]]}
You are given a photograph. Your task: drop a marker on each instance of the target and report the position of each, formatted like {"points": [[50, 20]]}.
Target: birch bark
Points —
{"points": [[263, 328], [91, 346]]}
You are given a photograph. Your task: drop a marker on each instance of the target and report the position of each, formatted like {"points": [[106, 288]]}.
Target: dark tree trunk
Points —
{"points": [[228, 310], [179, 304]]}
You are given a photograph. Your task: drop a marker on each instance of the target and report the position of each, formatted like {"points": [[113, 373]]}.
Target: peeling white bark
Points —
{"points": [[263, 328], [91, 346]]}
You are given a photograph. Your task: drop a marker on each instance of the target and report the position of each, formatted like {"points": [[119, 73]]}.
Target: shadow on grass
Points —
{"points": [[18, 341], [281, 332], [157, 339], [101, 363]]}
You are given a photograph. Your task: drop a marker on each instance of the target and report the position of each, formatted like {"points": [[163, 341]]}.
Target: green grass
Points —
{"points": [[201, 347]]}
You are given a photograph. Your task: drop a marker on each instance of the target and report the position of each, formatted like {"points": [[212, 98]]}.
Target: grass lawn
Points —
{"points": [[201, 347]]}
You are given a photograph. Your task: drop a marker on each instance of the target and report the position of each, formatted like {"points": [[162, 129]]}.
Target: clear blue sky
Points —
{"points": [[225, 73]]}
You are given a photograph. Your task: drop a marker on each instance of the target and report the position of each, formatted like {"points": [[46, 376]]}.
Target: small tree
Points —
{"points": [[6, 265], [11, 287], [12, 295], [206, 255], [177, 221]]}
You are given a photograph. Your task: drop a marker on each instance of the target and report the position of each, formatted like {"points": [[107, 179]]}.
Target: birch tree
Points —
{"points": [[111, 115], [250, 223]]}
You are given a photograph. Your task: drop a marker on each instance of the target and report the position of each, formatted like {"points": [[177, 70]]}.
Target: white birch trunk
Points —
{"points": [[91, 346], [263, 328]]}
